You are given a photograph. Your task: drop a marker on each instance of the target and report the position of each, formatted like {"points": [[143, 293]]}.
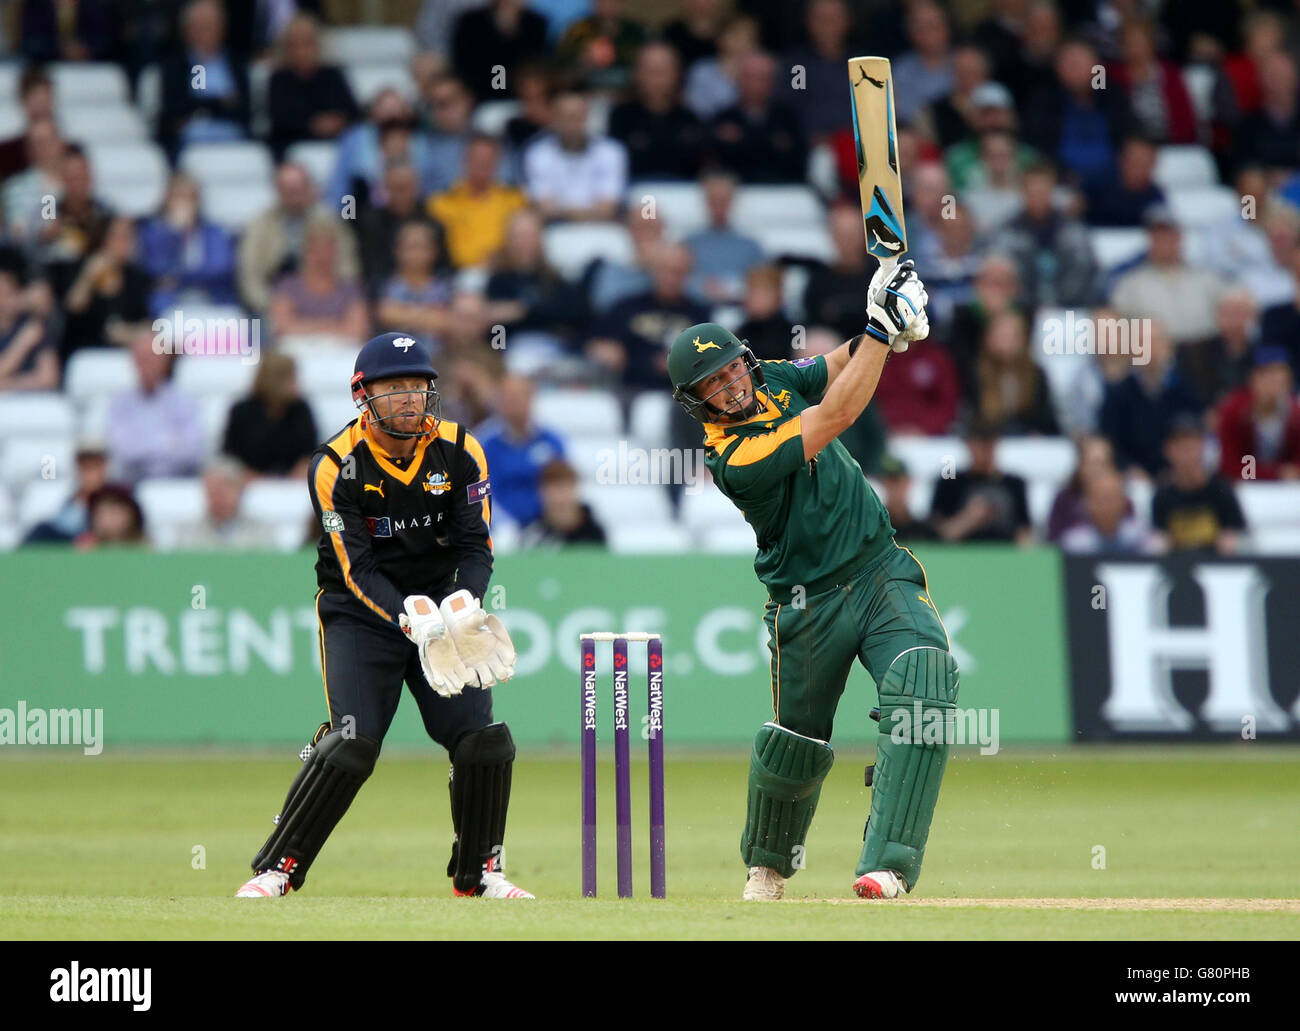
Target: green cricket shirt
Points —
{"points": [[814, 521]]}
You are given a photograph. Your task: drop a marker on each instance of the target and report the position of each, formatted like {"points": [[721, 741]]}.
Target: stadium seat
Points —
{"points": [[570, 247], [579, 413], [130, 177], [1197, 206], [13, 122], [669, 539], [244, 161], [40, 500], [649, 422], [10, 532], [1179, 166], [491, 116], [1140, 493], [304, 346], [1276, 540], [760, 207], [1046, 459], [234, 205], [325, 372], [214, 413], [318, 157], [731, 539], [1039, 495], [505, 534], [1113, 247], [98, 372], [168, 504], [282, 505], [706, 508], [806, 241], [368, 81], [25, 459], [225, 375], [626, 504], [148, 94], [928, 458], [590, 455], [679, 205], [102, 125], [89, 84], [332, 410], [36, 414], [1269, 504], [370, 44], [10, 73], [1199, 81], [598, 109], [794, 283]]}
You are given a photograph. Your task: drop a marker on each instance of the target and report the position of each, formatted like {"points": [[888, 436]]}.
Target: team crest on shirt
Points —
{"points": [[437, 483], [331, 521], [803, 363], [782, 398]]}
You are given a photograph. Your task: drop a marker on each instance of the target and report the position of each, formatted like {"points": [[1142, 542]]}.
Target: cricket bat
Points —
{"points": [[871, 87]]}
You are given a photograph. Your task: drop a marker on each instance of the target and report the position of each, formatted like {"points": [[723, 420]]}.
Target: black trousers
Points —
{"points": [[365, 661]]}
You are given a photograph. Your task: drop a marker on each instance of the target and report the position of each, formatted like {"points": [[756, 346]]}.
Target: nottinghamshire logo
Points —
{"points": [[702, 347]]}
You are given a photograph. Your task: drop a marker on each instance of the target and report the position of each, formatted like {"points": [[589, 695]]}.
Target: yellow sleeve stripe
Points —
{"points": [[327, 474], [475, 451], [755, 449]]}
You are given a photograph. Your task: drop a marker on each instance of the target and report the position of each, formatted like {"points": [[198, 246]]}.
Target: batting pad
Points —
{"points": [[480, 796], [786, 771], [908, 772]]}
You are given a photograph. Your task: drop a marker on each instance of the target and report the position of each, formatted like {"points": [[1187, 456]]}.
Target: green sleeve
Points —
{"points": [[806, 376], [754, 466]]}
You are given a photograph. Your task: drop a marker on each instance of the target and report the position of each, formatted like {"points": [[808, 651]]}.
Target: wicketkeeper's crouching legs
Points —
{"points": [[481, 766], [918, 694]]}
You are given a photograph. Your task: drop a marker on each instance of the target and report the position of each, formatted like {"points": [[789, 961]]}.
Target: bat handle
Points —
{"points": [[887, 265]]}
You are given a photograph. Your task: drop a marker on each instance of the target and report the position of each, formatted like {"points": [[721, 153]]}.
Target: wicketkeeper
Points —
{"points": [[839, 588], [404, 559]]}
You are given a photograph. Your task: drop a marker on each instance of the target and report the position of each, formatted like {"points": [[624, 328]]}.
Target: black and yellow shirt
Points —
{"points": [[392, 527], [812, 519]]}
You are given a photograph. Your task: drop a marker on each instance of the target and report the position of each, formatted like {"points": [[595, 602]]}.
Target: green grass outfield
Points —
{"points": [[1199, 843]]}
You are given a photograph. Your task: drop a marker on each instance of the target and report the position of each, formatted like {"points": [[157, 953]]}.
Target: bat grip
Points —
{"points": [[888, 265]]}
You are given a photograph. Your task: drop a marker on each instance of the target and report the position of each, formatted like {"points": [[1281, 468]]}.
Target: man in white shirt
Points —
{"points": [[571, 174]]}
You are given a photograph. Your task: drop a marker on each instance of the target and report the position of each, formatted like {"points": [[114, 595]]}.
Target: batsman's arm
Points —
{"points": [[850, 392]]}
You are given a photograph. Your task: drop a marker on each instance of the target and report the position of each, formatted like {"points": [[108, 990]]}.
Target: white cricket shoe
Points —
{"points": [[494, 885], [269, 884], [880, 884], [764, 885]]}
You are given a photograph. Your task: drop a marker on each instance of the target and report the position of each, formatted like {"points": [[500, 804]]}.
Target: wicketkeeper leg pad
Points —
{"points": [[917, 697], [481, 766], [318, 797], [786, 771]]}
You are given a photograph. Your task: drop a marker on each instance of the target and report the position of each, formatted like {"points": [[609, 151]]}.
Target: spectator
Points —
{"points": [[1271, 136], [1155, 89], [113, 517], [272, 431], [36, 95], [1223, 364], [272, 244], [1081, 389], [607, 282], [27, 358], [378, 225], [722, 257], [203, 108], [924, 73], [1126, 201], [363, 153], [1052, 252], [571, 174], [1074, 124], [1138, 411], [153, 428], [474, 212], [991, 111], [109, 291], [1259, 423], [536, 107], [994, 291], [993, 194], [319, 299], [501, 34], [448, 123], [80, 219], [1033, 61], [435, 22], [1255, 252], [981, 503], [1165, 287], [828, 24], [664, 139], [1001, 36], [190, 258], [1192, 509], [565, 519], [1096, 456], [711, 81], [416, 299], [928, 197], [73, 517], [517, 450], [954, 117], [527, 296], [950, 272], [24, 193], [1110, 527], [1011, 391], [897, 484], [309, 100], [50, 31], [836, 294], [222, 526], [1280, 325], [759, 138], [766, 327], [1264, 33], [694, 34], [602, 47], [631, 340], [920, 395]]}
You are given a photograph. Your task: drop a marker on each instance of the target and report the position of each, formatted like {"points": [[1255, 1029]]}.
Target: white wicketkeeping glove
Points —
{"points": [[896, 300], [480, 637], [442, 665]]}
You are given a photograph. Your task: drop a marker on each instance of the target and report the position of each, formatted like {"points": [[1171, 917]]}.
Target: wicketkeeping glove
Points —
{"points": [[439, 660], [896, 300], [481, 639]]}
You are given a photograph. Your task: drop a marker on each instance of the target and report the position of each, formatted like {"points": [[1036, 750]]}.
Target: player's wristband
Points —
{"points": [[875, 333]]}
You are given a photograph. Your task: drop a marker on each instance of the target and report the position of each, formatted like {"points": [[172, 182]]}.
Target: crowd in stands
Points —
{"points": [[545, 193]]}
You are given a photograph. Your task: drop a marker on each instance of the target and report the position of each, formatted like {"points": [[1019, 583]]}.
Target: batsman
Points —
{"points": [[839, 588]]}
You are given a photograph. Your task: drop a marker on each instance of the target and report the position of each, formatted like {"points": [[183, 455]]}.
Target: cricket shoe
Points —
{"points": [[764, 885], [269, 884], [880, 884], [494, 885]]}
